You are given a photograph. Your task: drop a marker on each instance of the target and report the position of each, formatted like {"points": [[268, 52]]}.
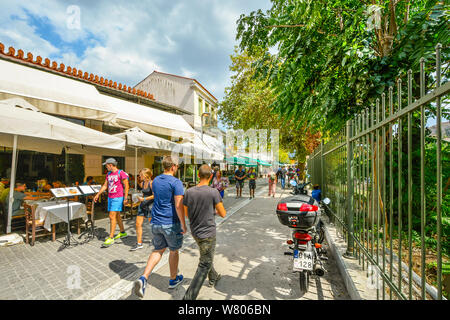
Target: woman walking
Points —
{"points": [[144, 210], [220, 183], [272, 183]]}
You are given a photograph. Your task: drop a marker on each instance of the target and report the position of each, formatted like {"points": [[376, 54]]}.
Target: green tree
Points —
{"points": [[329, 64], [247, 106]]}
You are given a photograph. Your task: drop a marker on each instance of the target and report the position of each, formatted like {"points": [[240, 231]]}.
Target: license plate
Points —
{"points": [[304, 261], [295, 205]]}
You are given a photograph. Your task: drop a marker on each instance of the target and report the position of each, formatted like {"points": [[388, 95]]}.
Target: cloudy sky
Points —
{"points": [[126, 40]]}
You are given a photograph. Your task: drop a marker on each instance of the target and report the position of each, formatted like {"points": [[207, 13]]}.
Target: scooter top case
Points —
{"points": [[299, 212]]}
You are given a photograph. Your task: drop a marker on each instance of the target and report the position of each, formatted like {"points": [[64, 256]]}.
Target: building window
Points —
{"points": [[73, 120], [200, 106], [206, 107]]}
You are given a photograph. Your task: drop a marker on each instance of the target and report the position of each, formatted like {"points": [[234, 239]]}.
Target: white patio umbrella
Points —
{"points": [[139, 139], [23, 126]]}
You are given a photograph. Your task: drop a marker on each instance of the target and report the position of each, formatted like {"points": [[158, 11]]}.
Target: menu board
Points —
{"points": [[66, 192], [59, 192], [86, 189], [96, 187], [73, 191]]}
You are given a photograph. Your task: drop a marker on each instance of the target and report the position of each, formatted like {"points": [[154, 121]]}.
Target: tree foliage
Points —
{"points": [[247, 106], [329, 64]]}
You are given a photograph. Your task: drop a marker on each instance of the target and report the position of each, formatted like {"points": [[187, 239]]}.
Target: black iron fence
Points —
{"points": [[384, 175]]}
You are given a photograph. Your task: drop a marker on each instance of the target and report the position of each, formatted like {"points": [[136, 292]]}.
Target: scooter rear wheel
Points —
{"points": [[304, 281]]}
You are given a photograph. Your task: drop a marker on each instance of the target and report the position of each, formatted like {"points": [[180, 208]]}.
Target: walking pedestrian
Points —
{"points": [[201, 203], [144, 208], [117, 184], [239, 175], [220, 183], [252, 182], [272, 183], [283, 177], [168, 224]]}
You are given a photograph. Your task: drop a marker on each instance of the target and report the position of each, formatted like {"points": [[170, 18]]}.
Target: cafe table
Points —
{"points": [[52, 212]]}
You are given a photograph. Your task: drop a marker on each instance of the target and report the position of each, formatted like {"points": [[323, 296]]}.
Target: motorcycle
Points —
{"points": [[299, 188], [301, 213]]}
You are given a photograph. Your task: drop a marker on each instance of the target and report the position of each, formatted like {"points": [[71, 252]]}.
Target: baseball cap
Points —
{"points": [[111, 161]]}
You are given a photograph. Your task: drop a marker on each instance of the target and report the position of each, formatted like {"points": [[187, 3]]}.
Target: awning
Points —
{"points": [[210, 146], [40, 132], [22, 126], [264, 163], [52, 93], [131, 114], [138, 138]]}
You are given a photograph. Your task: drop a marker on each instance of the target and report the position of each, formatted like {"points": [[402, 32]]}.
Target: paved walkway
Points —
{"points": [[46, 271], [250, 257]]}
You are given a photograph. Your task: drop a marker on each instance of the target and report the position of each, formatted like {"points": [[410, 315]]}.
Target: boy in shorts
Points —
{"points": [[117, 184]]}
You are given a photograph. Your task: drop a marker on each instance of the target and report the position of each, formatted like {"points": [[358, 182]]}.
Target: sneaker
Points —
{"points": [[121, 235], [174, 283], [137, 246], [108, 242], [139, 286], [213, 283]]}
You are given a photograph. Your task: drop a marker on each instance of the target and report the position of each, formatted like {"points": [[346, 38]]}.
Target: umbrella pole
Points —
{"points": [[12, 183], [135, 168], [66, 166]]}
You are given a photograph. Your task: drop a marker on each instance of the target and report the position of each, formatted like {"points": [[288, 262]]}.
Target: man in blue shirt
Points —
{"points": [[168, 224]]}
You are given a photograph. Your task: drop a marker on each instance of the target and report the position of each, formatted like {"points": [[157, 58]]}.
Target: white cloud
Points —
{"points": [[127, 41]]}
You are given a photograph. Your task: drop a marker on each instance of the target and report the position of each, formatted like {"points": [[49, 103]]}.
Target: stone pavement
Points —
{"points": [[46, 271], [250, 256]]}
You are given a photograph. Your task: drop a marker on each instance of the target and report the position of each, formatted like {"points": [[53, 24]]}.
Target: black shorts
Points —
{"points": [[252, 184], [144, 210], [239, 184]]}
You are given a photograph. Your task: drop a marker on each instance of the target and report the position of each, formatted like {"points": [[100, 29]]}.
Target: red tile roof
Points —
{"points": [[69, 71], [174, 75]]}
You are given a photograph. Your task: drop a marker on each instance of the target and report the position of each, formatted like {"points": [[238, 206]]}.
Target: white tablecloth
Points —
{"points": [[52, 212]]}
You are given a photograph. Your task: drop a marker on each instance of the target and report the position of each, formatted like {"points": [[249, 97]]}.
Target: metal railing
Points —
{"points": [[383, 174]]}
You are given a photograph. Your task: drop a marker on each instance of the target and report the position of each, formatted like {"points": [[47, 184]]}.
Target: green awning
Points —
{"points": [[245, 161], [263, 163]]}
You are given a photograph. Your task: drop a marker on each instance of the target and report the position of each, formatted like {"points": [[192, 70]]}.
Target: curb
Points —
{"points": [[348, 280]]}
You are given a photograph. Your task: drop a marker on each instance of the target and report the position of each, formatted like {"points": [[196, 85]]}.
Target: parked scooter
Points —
{"points": [[301, 213], [299, 188]]}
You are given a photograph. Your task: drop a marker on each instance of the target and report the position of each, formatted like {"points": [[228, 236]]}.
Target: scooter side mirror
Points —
{"points": [[326, 201]]}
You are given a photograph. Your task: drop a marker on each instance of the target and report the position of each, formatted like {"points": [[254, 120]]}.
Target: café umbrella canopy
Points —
{"points": [[23, 126], [139, 139]]}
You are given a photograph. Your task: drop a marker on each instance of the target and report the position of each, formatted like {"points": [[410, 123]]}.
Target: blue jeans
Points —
{"points": [[283, 182], [167, 236]]}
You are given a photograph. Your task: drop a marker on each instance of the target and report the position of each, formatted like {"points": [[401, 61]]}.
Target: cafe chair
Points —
{"points": [[34, 227]]}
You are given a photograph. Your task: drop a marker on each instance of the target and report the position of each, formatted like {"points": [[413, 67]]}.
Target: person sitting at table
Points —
{"points": [[58, 184], [47, 188], [4, 184], [18, 196], [89, 181], [4, 194]]}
